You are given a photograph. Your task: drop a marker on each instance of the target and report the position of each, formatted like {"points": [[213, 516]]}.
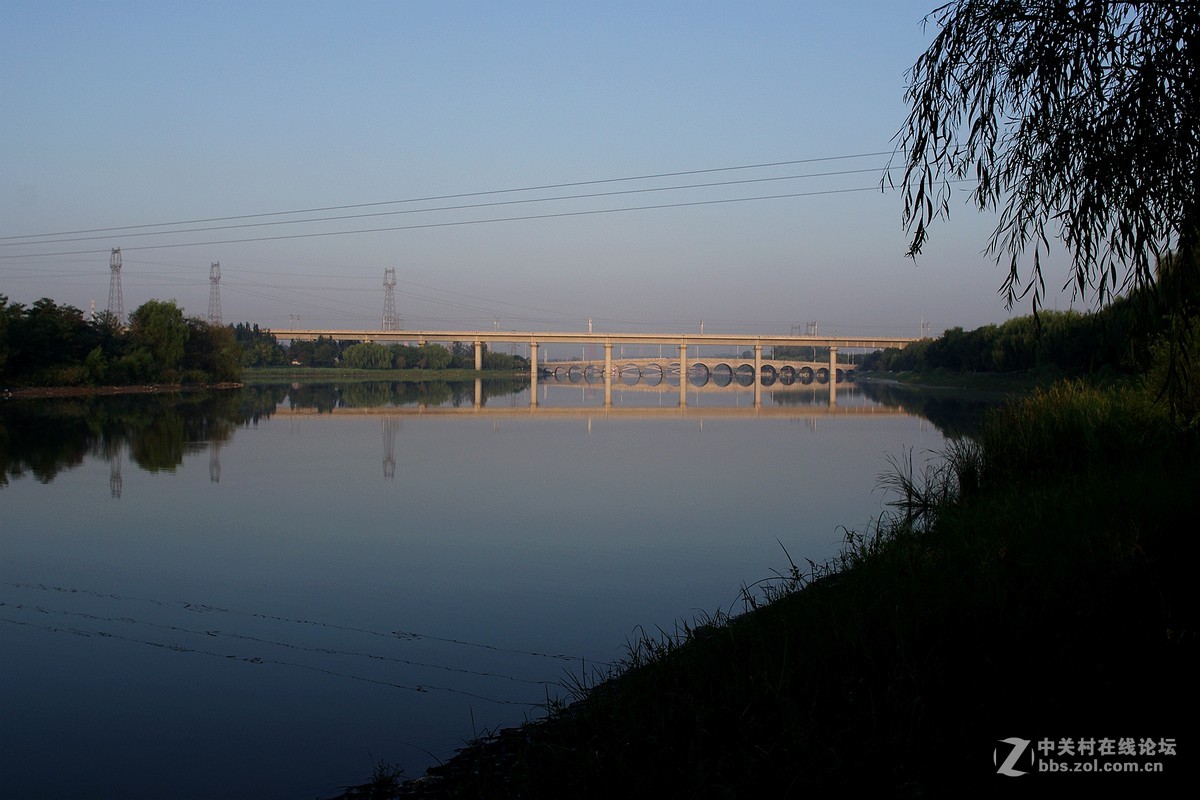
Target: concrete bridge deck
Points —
{"points": [[600, 338]]}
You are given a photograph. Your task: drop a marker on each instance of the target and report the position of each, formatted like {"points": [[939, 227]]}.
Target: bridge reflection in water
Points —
{"points": [[702, 374], [578, 399], [717, 372], [573, 394]]}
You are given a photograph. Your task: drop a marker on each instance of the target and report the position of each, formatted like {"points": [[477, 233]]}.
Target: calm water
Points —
{"points": [[265, 593]]}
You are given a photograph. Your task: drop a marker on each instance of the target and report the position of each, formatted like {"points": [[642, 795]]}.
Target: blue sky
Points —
{"points": [[140, 113]]}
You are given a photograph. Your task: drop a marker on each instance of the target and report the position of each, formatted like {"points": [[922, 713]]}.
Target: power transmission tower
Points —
{"points": [[390, 426], [116, 302], [214, 461], [114, 473], [214, 293], [389, 300]]}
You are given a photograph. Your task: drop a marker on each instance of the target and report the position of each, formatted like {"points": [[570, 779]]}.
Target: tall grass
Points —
{"points": [[1072, 426]]}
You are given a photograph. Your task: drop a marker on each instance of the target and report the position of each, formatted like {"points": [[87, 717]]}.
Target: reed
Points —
{"points": [[1072, 426]]}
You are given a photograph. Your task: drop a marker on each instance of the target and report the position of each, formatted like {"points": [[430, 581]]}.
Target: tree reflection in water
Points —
{"points": [[43, 437]]}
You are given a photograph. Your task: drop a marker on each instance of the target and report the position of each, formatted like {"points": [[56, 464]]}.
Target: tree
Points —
{"points": [[45, 343], [211, 353], [9, 312], [404, 356], [462, 355], [259, 348], [325, 352], [368, 355], [433, 356], [1077, 120], [158, 327], [108, 332]]}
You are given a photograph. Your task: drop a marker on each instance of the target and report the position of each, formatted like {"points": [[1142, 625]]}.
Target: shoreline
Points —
{"points": [[44, 392]]}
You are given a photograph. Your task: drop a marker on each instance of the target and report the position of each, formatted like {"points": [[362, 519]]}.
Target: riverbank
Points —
{"points": [[35, 392], [1038, 587], [1000, 384], [269, 376]]}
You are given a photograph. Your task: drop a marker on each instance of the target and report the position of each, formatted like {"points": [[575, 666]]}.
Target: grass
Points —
{"points": [[1003, 383], [1037, 583]]}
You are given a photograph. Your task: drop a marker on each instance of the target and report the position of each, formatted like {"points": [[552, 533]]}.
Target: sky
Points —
{"points": [[642, 166]]}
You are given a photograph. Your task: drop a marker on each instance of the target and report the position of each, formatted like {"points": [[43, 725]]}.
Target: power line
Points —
{"points": [[459, 300], [427, 225], [462, 207], [452, 196]]}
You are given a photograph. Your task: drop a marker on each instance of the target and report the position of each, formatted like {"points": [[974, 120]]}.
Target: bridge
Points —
{"points": [[682, 341]]}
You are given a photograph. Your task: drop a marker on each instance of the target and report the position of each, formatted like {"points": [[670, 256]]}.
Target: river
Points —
{"points": [[266, 592]]}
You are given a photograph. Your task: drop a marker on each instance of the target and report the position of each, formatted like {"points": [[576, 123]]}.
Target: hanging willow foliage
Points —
{"points": [[1076, 121]]}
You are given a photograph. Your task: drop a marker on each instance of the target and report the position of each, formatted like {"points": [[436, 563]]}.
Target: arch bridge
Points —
{"points": [[682, 341]]}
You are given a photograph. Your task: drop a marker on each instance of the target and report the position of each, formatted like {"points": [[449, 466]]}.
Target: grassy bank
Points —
{"points": [[1038, 585], [997, 383]]}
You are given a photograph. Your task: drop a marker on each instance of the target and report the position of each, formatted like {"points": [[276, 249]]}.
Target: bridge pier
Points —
{"points": [[608, 374], [533, 373], [478, 356], [757, 375], [833, 376], [683, 375]]}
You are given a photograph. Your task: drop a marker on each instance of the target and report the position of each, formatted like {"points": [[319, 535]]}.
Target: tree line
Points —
{"points": [[260, 348], [1059, 342], [1123, 338], [47, 344]]}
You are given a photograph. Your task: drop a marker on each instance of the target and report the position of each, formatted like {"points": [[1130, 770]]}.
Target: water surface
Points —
{"points": [[265, 593]]}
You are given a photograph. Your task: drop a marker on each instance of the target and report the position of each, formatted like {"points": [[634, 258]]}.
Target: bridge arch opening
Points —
{"points": [[699, 375], [787, 375], [744, 375], [722, 375], [768, 375], [653, 374]]}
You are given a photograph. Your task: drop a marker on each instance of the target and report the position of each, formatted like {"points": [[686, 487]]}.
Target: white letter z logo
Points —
{"points": [[1018, 747]]}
